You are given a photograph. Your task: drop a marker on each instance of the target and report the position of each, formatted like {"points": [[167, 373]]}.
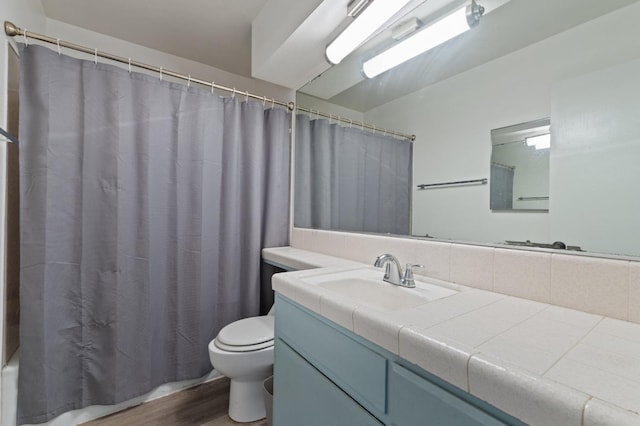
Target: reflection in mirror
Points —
{"points": [[576, 62], [520, 166], [351, 179]]}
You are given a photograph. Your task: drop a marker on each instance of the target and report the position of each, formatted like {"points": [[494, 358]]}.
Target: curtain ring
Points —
{"points": [[374, 129], [273, 103], [160, 73], [350, 123], [26, 38], [246, 96], [233, 95], [264, 101], [95, 56], [129, 65], [59, 48], [213, 85], [189, 81]]}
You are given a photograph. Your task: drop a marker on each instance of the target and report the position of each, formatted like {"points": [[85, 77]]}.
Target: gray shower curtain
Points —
{"points": [[351, 180], [144, 207]]}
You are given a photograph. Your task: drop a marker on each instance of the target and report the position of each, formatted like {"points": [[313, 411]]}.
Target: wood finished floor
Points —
{"points": [[203, 405]]}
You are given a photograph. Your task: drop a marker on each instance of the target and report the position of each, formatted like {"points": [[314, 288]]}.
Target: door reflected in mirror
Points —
{"points": [[520, 166]]}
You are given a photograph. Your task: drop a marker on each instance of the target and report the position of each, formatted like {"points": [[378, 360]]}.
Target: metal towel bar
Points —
{"points": [[532, 198], [482, 181]]}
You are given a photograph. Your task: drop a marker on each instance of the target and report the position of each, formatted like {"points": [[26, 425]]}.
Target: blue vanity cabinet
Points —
{"points": [[304, 396], [327, 375]]}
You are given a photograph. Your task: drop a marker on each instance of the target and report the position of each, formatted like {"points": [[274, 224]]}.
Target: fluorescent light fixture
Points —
{"points": [[540, 141], [365, 24], [457, 22]]}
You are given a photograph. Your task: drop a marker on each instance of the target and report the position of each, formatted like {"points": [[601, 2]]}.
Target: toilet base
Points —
{"points": [[246, 402]]}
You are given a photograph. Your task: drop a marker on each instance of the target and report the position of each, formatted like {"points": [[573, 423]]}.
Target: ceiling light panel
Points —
{"points": [[450, 26], [362, 27]]}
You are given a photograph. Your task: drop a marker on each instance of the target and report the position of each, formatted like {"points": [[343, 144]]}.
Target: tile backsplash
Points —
{"points": [[634, 292], [609, 287], [599, 286]]}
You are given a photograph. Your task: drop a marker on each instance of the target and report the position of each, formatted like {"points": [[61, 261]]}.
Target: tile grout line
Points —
{"points": [[465, 313], [468, 369], [584, 408], [510, 328], [493, 273], [626, 378], [551, 257], [353, 318], [573, 346], [450, 260], [477, 352], [449, 319], [398, 337], [628, 317], [493, 269]]}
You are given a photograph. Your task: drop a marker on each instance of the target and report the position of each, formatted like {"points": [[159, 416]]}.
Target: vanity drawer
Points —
{"points": [[356, 369]]}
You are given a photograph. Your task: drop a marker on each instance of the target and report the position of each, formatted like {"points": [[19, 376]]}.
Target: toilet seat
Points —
{"points": [[246, 335]]}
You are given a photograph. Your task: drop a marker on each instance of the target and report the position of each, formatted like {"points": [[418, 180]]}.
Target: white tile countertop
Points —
{"points": [[544, 364], [303, 259]]}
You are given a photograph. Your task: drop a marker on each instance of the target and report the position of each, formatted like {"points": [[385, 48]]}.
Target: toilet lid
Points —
{"points": [[247, 332]]}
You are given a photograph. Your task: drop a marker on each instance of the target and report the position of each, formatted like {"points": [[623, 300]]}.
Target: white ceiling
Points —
{"points": [[213, 32]]}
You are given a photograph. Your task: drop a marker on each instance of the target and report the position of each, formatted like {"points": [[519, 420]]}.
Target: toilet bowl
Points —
{"points": [[243, 352]]}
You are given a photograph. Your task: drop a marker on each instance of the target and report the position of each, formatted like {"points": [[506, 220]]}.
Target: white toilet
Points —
{"points": [[243, 351]]}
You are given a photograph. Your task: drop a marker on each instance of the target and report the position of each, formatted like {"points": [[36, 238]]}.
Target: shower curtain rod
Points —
{"points": [[12, 30], [356, 123]]}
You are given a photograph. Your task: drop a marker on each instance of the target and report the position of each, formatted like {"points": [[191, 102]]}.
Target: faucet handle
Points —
{"points": [[407, 279]]}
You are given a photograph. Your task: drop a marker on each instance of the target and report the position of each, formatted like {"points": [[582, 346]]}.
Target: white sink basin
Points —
{"points": [[365, 286]]}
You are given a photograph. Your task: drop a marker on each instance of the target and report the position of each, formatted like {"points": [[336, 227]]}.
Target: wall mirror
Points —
{"points": [[520, 166], [576, 62]]}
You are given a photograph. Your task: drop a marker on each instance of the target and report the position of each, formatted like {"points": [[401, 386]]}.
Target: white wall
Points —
{"points": [[154, 57], [595, 164], [453, 118], [314, 103]]}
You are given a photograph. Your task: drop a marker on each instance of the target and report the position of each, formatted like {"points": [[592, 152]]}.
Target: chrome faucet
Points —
{"points": [[393, 271]]}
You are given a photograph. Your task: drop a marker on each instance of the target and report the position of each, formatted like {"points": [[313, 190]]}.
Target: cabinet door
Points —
{"points": [[304, 396], [414, 400], [354, 367]]}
